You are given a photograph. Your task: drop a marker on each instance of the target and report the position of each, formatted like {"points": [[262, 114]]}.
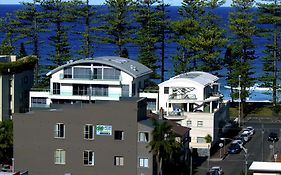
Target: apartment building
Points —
{"points": [[16, 80], [87, 80], [105, 137], [193, 100]]}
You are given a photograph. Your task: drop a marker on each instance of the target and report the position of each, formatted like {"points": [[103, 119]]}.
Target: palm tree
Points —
{"points": [[6, 141], [163, 143]]}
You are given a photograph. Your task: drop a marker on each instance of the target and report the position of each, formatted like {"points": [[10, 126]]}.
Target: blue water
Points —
{"points": [[107, 49]]}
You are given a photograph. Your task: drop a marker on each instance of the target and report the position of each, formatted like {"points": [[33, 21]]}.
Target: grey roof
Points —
{"points": [[200, 77], [133, 68]]}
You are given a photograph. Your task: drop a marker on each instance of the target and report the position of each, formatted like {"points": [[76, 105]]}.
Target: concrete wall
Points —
{"points": [[21, 85], [4, 97], [34, 142], [199, 131], [143, 150]]}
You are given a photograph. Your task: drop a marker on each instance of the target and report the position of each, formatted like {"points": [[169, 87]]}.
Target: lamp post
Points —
{"points": [[223, 139], [262, 133], [190, 161], [239, 106], [221, 145], [209, 154], [272, 147], [246, 156]]}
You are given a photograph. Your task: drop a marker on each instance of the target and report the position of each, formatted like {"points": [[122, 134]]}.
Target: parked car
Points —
{"points": [[240, 142], [249, 129], [246, 135], [234, 147], [273, 137], [241, 139], [215, 170]]}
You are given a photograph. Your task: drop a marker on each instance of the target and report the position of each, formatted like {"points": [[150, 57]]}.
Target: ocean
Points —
{"points": [[257, 94]]}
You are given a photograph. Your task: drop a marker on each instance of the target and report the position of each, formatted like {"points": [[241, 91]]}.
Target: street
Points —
{"points": [[259, 149]]}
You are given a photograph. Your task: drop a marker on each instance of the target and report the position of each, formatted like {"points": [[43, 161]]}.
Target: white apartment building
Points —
{"points": [[14, 86], [101, 78], [193, 100]]}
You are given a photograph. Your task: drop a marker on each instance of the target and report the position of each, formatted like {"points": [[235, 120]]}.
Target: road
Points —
{"points": [[258, 147]]}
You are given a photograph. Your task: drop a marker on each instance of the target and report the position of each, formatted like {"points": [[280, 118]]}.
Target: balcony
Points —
{"points": [[175, 115], [91, 77]]}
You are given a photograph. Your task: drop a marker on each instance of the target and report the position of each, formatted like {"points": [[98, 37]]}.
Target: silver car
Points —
{"points": [[215, 170]]}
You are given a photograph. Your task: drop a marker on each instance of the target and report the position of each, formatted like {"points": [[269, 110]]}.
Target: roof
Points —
{"points": [[266, 167], [176, 128], [200, 77], [133, 68]]}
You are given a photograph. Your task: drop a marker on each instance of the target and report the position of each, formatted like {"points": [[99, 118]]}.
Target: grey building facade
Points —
{"points": [[14, 89], [103, 138]]}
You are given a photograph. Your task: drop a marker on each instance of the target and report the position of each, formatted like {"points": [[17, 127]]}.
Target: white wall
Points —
{"points": [[199, 131], [183, 83]]}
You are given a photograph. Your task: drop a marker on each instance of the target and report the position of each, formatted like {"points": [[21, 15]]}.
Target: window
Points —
{"points": [[125, 91], [188, 123], [119, 135], [111, 74], [89, 132], [82, 73], [97, 74], [143, 162], [151, 104], [59, 130], [89, 158], [56, 88], [166, 90], [67, 72], [199, 123], [39, 100], [80, 89], [60, 156], [143, 136], [118, 160], [99, 90]]}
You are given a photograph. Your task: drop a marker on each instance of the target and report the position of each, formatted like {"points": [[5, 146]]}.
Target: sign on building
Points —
{"points": [[103, 130]]}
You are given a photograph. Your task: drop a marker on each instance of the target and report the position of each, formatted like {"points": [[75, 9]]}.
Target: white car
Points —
{"points": [[249, 129], [215, 170], [246, 135], [239, 142]]}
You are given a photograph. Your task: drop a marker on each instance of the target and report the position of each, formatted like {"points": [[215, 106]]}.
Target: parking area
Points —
{"points": [[259, 147]]}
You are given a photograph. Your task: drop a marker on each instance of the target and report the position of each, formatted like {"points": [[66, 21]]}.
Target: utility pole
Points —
{"points": [[262, 132], [190, 161]]}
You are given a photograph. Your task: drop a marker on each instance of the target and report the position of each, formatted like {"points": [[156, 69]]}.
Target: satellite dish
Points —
{"points": [[221, 144]]}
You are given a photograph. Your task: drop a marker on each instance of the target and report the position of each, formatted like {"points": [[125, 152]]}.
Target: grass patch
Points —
{"points": [[256, 110]]}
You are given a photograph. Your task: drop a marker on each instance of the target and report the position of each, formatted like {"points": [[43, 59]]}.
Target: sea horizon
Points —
{"points": [[107, 49]]}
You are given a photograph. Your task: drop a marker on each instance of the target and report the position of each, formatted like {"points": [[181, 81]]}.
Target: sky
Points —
{"points": [[101, 2]]}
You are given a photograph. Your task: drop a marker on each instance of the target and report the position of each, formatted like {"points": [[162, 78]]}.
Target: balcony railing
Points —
{"points": [[182, 97], [36, 105], [91, 77], [87, 94]]}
